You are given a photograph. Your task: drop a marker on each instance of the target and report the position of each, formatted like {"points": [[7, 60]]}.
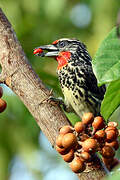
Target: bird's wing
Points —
{"points": [[91, 83]]}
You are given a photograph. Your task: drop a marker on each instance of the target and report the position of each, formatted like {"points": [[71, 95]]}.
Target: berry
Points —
{"points": [[115, 162], [62, 151], [37, 51], [69, 140], [59, 140], [107, 162], [87, 118], [79, 127], [69, 156], [85, 156], [66, 129], [113, 144], [100, 135], [89, 145], [3, 105], [78, 144], [109, 128], [98, 123], [108, 152], [1, 92], [77, 165], [113, 124], [111, 135]]}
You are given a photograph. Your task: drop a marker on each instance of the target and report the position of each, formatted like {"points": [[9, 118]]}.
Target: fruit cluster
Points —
{"points": [[3, 103], [78, 144]]}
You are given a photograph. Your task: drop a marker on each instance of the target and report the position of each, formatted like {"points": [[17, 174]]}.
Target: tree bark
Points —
{"points": [[18, 75]]}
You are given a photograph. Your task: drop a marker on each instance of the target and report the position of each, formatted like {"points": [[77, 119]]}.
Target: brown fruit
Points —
{"points": [[110, 163], [113, 144], [89, 145], [85, 156], [115, 162], [69, 140], [3, 105], [77, 165], [69, 156], [100, 135], [108, 152], [111, 135], [87, 118], [109, 128], [98, 123], [62, 151], [112, 128], [1, 92], [107, 162], [66, 129], [59, 140], [79, 127], [113, 124]]}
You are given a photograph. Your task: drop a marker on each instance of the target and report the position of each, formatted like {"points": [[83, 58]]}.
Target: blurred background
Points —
{"points": [[25, 153]]}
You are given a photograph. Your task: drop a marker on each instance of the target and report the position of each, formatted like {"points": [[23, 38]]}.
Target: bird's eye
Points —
{"points": [[61, 43]]}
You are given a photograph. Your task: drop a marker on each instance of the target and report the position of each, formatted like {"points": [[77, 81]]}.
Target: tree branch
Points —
{"points": [[18, 74]]}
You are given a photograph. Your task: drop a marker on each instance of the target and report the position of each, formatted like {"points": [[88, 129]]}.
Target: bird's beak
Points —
{"points": [[46, 50]]}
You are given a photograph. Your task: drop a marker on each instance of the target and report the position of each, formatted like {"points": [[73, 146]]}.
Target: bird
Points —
{"points": [[77, 79]]}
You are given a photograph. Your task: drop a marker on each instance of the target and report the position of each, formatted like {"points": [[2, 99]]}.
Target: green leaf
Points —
{"points": [[106, 64], [111, 100]]}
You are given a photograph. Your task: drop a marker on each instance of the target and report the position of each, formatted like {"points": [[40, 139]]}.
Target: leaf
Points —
{"points": [[106, 64], [111, 100]]}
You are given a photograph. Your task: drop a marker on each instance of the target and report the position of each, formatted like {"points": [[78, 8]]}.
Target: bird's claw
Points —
{"points": [[47, 100], [52, 100], [55, 101]]}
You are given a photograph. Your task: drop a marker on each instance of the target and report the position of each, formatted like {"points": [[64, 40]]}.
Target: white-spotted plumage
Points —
{"points": [[78, 82]]}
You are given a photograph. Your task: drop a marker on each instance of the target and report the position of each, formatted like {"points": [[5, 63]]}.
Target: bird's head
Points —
{"points": [[62, 50]]}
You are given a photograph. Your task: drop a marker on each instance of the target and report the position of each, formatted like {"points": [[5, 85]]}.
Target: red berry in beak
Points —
{"points": [[37, 51]]}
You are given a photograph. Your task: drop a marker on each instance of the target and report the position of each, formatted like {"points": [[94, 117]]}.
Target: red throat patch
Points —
{"points": [[63, 59]]}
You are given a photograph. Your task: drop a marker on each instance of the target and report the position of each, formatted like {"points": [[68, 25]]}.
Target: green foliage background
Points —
{"points": [[106, 66], [41, 22]]}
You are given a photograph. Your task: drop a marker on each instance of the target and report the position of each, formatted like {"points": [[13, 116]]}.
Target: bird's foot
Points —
{"points": [[52, 100], [55, 101]]}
